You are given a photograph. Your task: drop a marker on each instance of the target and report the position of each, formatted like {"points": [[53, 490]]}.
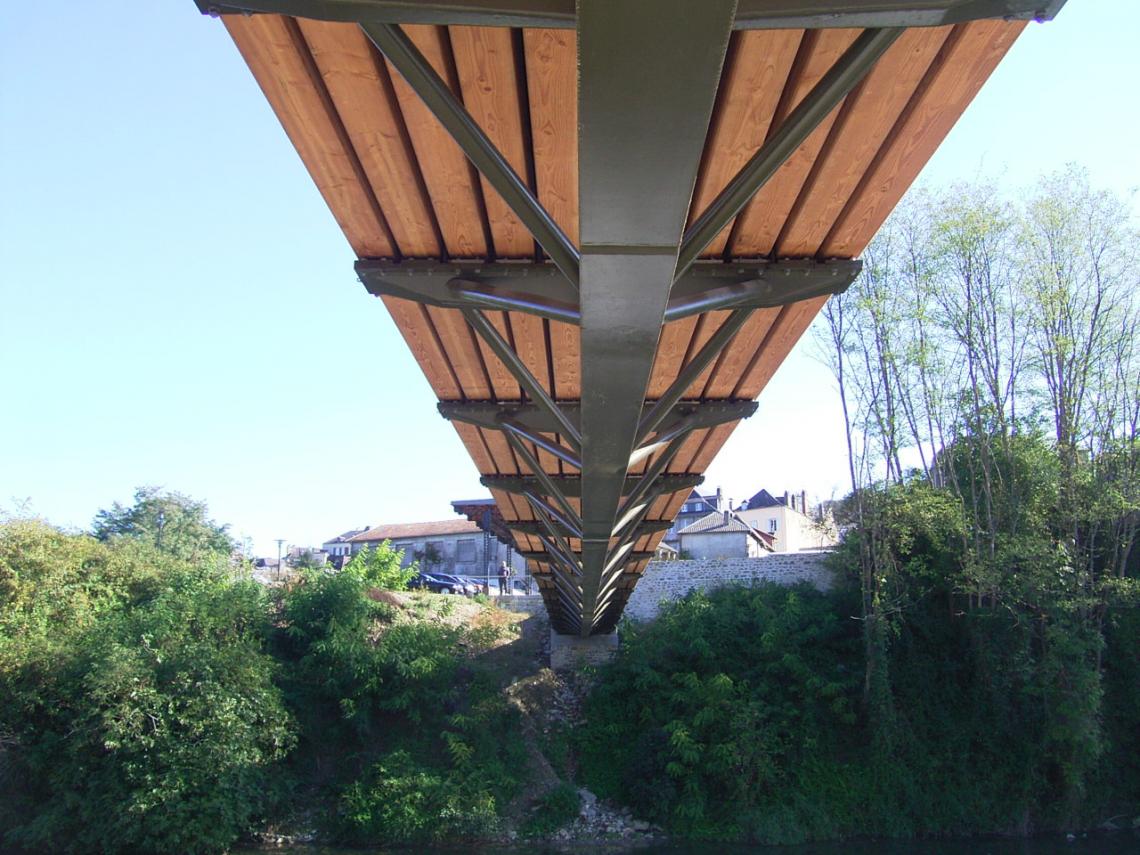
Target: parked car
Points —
{"points": [[441, 583], [459, 585]]}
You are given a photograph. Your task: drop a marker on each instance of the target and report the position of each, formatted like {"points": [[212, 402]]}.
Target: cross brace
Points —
{"points": [[540, 289], [535, 528], [491, 415], [571, 485]]}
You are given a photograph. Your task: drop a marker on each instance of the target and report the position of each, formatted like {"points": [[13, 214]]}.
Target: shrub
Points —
{"points": [[142, 716], [556, 809], [712, 719]]}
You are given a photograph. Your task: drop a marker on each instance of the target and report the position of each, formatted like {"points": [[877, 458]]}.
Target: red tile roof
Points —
{"points": [[397, 531]]}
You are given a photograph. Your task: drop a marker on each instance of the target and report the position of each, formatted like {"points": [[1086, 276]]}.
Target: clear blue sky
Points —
{"points": [[177, 306]]}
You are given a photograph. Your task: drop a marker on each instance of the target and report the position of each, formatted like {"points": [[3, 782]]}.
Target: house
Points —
{"points": [[456, 546], [338, 546], [789, 521], [721, 534], [695, 507]]}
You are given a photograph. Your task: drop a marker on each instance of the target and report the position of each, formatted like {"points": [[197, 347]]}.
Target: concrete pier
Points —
{"points": [[572, 651]]}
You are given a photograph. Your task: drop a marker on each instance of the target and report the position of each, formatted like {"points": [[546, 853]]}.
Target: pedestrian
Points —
{"points": [[504, 576]]}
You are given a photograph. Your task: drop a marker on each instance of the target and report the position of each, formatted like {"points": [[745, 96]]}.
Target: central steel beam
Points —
{"points": [[648, 73]]}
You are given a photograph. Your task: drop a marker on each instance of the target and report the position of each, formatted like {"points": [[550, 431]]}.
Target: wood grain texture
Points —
{"points": [[760, 222], [485, 60], [552, 93], [672, 347], [708, 324], [461, 352], [358, 83], [411, 320], [475, 446], [274, 50], [785, 331], [455, 196], [735, 358], [967, 58], [566, 356], [756, 72], [865, 121]]}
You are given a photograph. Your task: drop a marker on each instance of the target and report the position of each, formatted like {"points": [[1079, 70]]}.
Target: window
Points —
{"points": [[773, 524], [465, 550]]}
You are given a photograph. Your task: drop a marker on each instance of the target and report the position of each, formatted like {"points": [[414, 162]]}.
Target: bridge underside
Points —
{"points": [[601, 226]]}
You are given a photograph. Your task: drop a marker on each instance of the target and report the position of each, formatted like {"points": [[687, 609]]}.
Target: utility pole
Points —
{"points": [[280, 541]]}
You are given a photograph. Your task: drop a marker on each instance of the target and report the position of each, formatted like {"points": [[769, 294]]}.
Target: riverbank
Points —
{"points": [[151, 702]]}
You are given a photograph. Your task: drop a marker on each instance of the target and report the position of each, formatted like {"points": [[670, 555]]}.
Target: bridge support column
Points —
{"points": [[568, 652]]}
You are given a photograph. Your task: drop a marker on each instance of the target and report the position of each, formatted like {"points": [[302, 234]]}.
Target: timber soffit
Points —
{"points": [[623, 447]]}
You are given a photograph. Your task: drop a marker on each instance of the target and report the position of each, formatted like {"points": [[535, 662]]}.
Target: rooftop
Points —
{"points": [[396, 531]]}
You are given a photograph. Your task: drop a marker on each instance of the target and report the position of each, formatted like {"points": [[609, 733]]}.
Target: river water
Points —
{"points": [[1117, 843]]}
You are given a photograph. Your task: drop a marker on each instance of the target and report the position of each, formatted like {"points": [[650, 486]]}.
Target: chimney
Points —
{"points": [[727, 517], [803, 502], [719, 499], [786, 498]]}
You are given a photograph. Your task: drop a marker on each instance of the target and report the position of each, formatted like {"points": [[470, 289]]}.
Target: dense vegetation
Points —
{"points": [[137, 709], [152, 700], [756, 714], [980, 670]]}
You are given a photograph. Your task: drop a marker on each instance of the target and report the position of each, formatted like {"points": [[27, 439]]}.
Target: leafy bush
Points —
{"points": [[138, 707], [402, 800], [380, 567], [713, 719], [420, 728], [556, 809]]}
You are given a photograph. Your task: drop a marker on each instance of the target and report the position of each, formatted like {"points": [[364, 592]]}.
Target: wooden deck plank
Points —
{"points": [[566, 356], [756, 71], [786, 330], [967, 58], [357, 81], [475, 446], [671, 350], [274, 50], [735, 358], [709, 323], [760, 222], [485, 60], [455, 196], [552, 93], [868, 115], [411, 320], [461, 352]]}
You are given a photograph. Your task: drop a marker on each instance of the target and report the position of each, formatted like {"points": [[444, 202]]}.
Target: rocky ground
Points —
{"points": [[551, 706]]}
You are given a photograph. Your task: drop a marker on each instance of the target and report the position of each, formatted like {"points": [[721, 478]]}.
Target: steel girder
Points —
{"points": [[648, 74], [540, 289]]}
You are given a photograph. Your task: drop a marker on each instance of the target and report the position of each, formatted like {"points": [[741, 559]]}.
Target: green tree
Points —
{"points": [[171, 522], [381, 567]]}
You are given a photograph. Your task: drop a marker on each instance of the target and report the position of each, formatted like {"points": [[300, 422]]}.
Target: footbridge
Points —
{"points": [[602, 225]]}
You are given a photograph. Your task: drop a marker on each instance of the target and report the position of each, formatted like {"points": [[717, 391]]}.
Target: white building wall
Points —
{"points": [[794, 531]]}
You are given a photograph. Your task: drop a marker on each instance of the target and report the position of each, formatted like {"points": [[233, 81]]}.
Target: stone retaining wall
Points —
{"points": [[670, 580], [529, 604]]}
